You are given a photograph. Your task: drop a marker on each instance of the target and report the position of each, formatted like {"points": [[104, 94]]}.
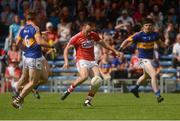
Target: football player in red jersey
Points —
{"points": [[83, 42]]}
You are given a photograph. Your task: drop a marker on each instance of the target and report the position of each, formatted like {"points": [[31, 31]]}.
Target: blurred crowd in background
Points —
{"points": [[115, 20]]}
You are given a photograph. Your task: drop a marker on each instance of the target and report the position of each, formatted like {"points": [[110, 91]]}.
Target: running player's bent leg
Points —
{"points": [[152, 73], [34, 75], [83, 76], [33, 81]]}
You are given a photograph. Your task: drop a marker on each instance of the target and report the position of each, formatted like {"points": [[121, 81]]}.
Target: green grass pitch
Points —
{"points": [[106, 106]]}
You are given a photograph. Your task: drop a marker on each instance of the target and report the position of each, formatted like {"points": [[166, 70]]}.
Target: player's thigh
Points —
{"points": [[44, 74], [149, 69], [46, 66], [145, 75], [94, 71], [24, 77], [83, 68], [34, 75], [84, 72]]}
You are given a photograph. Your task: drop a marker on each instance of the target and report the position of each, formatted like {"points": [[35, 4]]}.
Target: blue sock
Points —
{"points": [[137, 86], [158, 93]]}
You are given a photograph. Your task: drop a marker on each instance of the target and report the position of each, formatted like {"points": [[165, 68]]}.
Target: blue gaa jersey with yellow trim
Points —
{"points": [[145, 43], [27, 36]]}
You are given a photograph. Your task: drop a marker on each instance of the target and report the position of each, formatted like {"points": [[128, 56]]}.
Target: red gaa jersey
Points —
{"points": [[84, 45]]}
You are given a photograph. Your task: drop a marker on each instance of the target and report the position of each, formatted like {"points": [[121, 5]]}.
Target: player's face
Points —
{"points": [[87, 29], [148, 27]]}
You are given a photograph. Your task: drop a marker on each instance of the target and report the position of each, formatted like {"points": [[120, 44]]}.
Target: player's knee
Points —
{"points": [[84, 77], [34, 83], [153, 76]]}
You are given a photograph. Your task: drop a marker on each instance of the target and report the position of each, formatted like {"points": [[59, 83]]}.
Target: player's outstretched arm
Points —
{"points": [[65, 54], [124, 45], [107, 46]]}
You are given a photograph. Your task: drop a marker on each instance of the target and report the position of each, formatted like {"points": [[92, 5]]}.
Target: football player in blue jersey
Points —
{"points": [[145, 41], [30, 38]]}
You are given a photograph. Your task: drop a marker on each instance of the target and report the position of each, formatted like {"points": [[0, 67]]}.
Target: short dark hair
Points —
{"points": [[147, 21], [90, 23], [31, 15]]}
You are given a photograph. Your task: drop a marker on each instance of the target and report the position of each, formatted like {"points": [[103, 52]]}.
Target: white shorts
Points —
{"points": [[144, 62], [13, 84], [85, 64], [33, 63]]}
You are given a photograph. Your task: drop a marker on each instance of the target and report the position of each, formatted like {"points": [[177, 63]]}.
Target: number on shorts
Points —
{"points": [[38, 65]]}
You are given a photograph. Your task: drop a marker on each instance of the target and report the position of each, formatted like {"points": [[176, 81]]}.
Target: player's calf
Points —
{"points": [[96, 82]]}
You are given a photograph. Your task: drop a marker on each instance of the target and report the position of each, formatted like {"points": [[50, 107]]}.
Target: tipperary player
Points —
{"points": [[30, 37], [145, 41]]}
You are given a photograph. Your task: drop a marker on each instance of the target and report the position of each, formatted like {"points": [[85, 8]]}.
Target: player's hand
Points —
{"points": [[65, 66]]}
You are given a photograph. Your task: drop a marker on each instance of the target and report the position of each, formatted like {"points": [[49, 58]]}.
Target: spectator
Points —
{"points": [[171, 17], [125, 18], [119, 68], [98, 19], [113, 13], [64, 31], [80, 5], [39, 4], [65, 14], [13, 31], [80, 19], [7, 15], [109, 29], [40, 8], [23, 8], [105, 67], [140, 13], [53, 18], [157, 15], [135, 69], [170, 34], [2, 62], [176, 52], [52, 38], [14, 53], [12, 75]]}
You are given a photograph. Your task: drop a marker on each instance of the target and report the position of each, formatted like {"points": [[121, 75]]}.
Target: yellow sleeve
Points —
{"points": [[18, 39]]}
